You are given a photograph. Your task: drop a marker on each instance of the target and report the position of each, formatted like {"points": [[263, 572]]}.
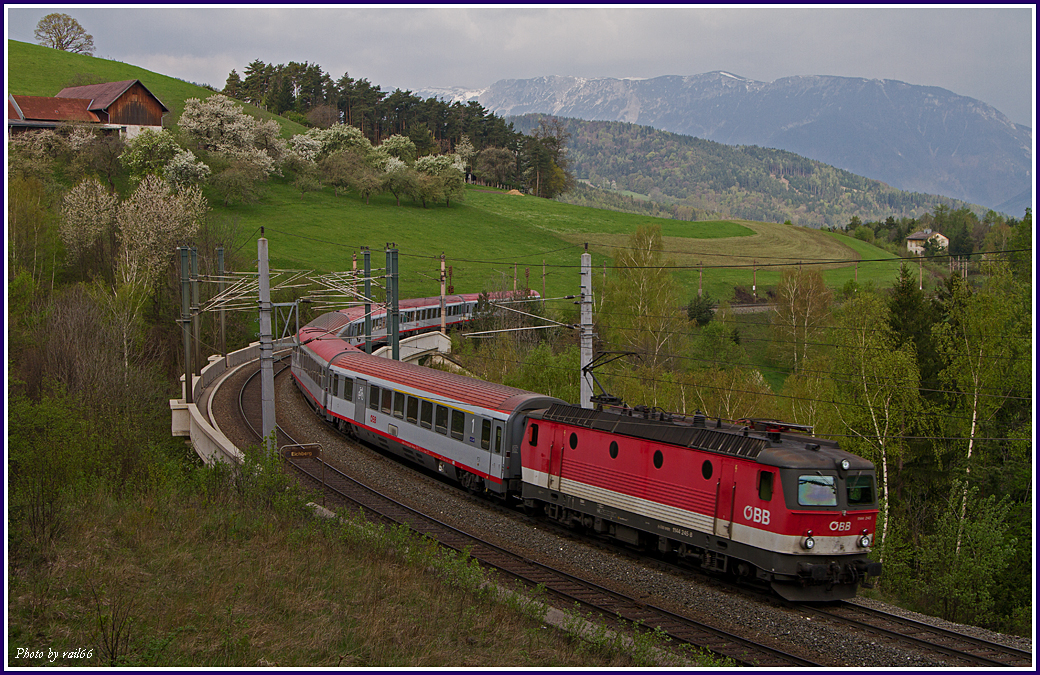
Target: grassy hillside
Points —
{"points": [[483, 236], [33, 70], [490, 231]]}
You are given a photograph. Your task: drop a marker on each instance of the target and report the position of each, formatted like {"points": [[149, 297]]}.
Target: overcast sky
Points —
{"points": [[986, 53]]}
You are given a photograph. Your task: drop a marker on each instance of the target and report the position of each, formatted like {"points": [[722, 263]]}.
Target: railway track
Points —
{"points": [[949, 647], [964, 650]]}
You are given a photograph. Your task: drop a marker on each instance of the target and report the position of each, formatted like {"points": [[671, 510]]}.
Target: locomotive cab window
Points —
{"points": [[534, 435], [817, 491], [859, 490], [765, 485]]}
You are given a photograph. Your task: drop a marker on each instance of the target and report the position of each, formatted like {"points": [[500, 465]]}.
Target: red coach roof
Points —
{"points": [[466, 390]]}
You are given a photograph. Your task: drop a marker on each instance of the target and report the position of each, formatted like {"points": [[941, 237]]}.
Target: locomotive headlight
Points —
{"points": [[864, 540], [845, 464], [809, 542]]}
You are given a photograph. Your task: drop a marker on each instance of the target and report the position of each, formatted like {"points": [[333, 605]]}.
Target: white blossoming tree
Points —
{"points": [[440, 176], [88, 216], [184, 170]]}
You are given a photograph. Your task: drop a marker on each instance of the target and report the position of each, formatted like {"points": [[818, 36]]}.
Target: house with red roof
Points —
{"points": [[125, 107]]}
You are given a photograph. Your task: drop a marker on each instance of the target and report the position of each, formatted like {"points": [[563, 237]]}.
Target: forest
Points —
{"points": [[642, 169]]}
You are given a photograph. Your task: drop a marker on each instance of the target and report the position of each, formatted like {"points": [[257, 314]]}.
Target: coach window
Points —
{"points": [[534, 435], [765, 485], [458, 424], [485, 435], [348, 389], [398, 405], [442, 420], [706, 469], [426, 420], [498, 440], [412, 411], [373, 398]]}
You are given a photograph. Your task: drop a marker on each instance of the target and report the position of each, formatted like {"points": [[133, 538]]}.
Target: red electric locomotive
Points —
{"points": [[793, 511]]}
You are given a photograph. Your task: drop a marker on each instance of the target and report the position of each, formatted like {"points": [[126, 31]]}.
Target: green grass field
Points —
{"points": [[485, 235]]}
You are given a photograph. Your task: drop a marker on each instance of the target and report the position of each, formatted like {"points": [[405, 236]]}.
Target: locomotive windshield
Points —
{"points": [[859, 490], [817, 491]]}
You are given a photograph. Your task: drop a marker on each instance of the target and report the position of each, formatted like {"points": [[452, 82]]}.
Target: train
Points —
{"points": [[758, 500]]}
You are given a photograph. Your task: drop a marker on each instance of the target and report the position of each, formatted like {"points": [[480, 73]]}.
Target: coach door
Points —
{"points": [[360, 400], [497, 439], [725, 499]]}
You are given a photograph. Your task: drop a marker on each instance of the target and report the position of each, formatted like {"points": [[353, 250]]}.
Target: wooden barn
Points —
{"points": [[125, 107], [127, 103]]}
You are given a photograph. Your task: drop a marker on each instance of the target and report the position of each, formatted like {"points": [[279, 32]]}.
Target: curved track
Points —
{"points": [[952, 647]]}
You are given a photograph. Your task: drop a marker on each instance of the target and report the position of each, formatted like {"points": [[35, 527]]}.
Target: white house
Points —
{"points": [[916, 241]]}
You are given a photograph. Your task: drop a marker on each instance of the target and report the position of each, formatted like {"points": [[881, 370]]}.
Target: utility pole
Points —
{"points": [[444, 304], [393, 313], [266, 345], [186, 322], [220, 291], [700, 279], [586, 328], [368, 299], [196, 315], [754, 280]]}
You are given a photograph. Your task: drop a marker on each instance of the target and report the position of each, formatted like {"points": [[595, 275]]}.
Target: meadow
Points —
{"points": [[489, 233]]}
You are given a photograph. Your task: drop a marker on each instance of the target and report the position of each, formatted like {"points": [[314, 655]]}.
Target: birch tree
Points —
{"points": [[977, 342], [878, 400], [802, 310], [641, 310]]}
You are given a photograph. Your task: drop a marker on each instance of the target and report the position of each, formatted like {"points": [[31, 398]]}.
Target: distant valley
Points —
{"points": [[914, 138]]}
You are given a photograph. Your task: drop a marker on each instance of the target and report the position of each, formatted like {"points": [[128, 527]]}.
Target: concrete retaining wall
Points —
{"points": [[187, 420]]}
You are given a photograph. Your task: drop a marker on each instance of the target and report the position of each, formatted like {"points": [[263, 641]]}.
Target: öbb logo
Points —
{"points": [[837, 526], [756, 515]]}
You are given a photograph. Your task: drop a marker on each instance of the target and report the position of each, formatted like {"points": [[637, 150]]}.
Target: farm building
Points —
{"points": [[125, 107]]}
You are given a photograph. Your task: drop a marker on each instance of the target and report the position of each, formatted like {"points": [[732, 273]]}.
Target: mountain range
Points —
{"points": [[912, 137]]}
